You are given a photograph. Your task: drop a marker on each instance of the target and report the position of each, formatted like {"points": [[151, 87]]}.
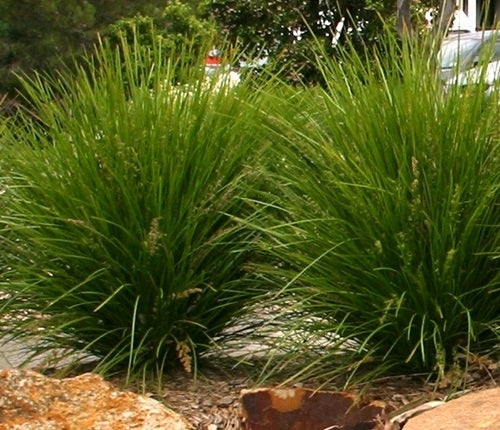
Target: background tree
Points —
{"points": [[403, 16], [178, 26], [37, 36], [407, 12], [445, 16], [109, 11], [285, 28], [40, 34]]}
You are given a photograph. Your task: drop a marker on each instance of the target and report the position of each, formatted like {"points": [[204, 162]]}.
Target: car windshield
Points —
{"points": [[457, 50]]}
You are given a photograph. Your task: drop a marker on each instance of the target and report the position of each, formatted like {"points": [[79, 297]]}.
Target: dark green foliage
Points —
{"points": [[389, 232], [132, 208], [270, 25], [119, 228], [38, 37], [41, 37], [177, 26]]}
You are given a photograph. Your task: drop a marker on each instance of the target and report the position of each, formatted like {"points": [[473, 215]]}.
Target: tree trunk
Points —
{"points": [[444, 20], [403, 17]]}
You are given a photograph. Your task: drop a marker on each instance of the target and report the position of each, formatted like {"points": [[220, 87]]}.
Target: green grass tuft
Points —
{"points": [[122, 186], [385, 216]]}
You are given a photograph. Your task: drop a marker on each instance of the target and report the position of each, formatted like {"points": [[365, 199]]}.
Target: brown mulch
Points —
{"points": [[211, 400]]}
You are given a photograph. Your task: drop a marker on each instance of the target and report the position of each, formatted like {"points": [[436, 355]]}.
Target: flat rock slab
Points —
{"points": [[474, 411], [29, 401], [303, 409]]}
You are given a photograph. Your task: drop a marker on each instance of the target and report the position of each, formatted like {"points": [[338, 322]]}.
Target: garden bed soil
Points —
{"points": [[211, 400]]}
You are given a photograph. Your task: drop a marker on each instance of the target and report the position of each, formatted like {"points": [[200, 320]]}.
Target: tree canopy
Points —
{"points": [[284, 28], [38, 35]]}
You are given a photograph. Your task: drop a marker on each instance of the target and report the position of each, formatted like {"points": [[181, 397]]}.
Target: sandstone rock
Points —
{"points": [[303, 409], [474, 411], [29, 400]]}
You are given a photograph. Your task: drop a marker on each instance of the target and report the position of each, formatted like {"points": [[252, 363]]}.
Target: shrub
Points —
{"points": [[119, 232]]}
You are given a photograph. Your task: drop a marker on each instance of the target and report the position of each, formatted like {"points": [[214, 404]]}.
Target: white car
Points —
{"points": [[469, 58]]}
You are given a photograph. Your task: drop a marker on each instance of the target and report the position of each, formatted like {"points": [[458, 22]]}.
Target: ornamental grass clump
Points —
{"points": [[123, 180], [385, 219]]}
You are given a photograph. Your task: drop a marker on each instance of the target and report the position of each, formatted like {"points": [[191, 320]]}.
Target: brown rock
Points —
{"points": [[303, 409], [29, 400], [474, 411]]}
